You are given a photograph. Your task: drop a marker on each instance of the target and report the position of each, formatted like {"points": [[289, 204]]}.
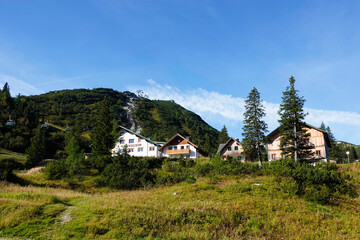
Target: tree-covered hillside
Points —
{"points": [[161, 120], [75, 109]]}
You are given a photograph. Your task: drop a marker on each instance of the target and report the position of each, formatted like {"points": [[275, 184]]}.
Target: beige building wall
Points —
{"points": [[233, 149], [317, 139]]}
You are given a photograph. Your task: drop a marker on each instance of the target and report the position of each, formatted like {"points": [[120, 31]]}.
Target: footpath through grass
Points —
{"points": [[234, 208]]}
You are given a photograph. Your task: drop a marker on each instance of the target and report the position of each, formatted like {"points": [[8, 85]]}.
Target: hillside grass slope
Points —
{"points": [[233, 207]]}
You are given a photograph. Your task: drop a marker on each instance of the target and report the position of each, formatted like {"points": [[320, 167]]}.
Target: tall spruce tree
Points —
{"points": [[254, 128], [323, 126], [36, 150], [101, 137], [335, 151], [293, 135], [223, 135]]}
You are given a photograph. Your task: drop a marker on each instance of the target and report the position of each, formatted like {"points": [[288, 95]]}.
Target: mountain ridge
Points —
{"points": [[75, 108]]}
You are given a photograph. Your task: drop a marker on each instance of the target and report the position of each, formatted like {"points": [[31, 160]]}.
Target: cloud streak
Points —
{"points": [[18, 86], [219, 109]]}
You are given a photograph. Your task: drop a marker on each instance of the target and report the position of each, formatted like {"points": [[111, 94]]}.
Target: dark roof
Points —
{"points": [[221, 146], [140, 136], [327, 139]]}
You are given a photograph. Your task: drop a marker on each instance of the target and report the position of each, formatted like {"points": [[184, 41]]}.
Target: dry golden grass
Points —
{"points": [[235, 208]]}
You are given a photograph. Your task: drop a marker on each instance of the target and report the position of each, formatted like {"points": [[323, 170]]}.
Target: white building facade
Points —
{"points": [[137, 145]]}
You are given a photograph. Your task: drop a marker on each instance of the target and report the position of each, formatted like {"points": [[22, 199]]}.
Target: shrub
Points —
{"points": [[171, 166], [56, 169], [127, 172], [6, 169], [316, 184], [203, 169], [163, 178]]}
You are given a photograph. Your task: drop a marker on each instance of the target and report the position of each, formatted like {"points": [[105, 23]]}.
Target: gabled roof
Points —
{"points": [[140, 136], [327, 139], [222, 145], [192, 144]]}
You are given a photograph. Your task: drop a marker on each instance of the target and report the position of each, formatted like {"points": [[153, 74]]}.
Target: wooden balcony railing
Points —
{"points": [[178, 151]]}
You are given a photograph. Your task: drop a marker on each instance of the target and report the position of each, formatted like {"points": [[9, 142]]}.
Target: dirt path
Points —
{"points": [[65, 217], [37, 168]]}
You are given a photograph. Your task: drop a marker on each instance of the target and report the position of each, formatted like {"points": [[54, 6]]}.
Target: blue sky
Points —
{"points": [[206, 55]]}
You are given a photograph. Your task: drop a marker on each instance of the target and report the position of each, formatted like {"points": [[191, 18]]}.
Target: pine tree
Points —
{"points": [[323, 126], [36, 150], [353, 155], [75, 161], [101, 137], [330, 135], [293, 136], [207, 144], [223, 135], [254, 128], [335, 151]]}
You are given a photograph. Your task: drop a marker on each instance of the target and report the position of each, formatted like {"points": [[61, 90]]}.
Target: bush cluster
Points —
{"points": [[6, 169], [316, 184]]}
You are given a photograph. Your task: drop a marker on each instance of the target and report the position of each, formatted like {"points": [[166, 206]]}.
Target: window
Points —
{"points": [[122, 141], [170, 148], [122, 134], [229, 148], [236, 148], [131, 150], [131, 140], [179, 141], [318, 152], [175, 147], [151, 148], [273, 156], [139, 140], [182, 147], [187, 147], [121, 151], [140, 149]]}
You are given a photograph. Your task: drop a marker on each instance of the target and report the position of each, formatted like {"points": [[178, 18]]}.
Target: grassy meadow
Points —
{"points": [[5, 154], [236, 207]]}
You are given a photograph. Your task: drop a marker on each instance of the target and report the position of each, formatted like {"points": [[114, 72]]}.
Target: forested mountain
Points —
{"points": [[74, 109]]}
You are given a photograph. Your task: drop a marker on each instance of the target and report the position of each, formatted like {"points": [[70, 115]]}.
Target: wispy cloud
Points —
{"points": [[219, 109], [19, 86]]}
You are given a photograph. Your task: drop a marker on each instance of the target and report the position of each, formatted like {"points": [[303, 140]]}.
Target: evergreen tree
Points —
{"points": [[254, 128], [293, 136], [75, 161], [6, 102], [36, 150], [330, 135], [101, 137], [335, 151], [223, 135], [207, 144], [323, 126]]}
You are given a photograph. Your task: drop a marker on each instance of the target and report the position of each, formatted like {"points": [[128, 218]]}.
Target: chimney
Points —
{"points": [[188, 138]]}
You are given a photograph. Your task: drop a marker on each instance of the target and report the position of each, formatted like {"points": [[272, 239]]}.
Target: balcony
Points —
{"points": [[178, 151]]}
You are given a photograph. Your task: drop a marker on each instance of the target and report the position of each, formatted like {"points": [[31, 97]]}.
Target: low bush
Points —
{"points": [[234, 166], [6, 169], [56, 170], [203, 169], [126, 172], [317, 184]]}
